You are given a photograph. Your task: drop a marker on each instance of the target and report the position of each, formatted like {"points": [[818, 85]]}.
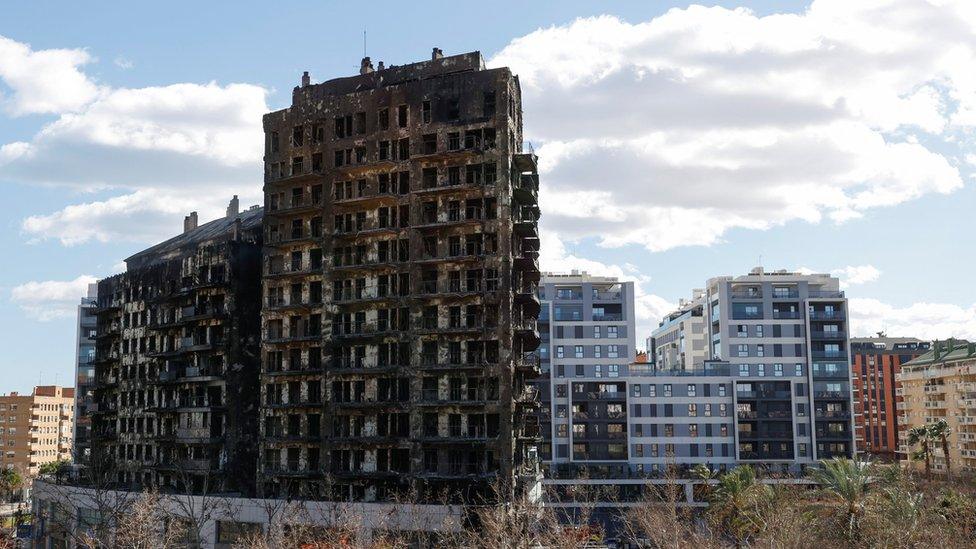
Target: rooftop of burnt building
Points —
{"points": [[217, 229], [388, 76]]}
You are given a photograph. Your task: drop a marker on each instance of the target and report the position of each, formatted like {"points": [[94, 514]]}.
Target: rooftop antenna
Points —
{"points": [[364, 40]]}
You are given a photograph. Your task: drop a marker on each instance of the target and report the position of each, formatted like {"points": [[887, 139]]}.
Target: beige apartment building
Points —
{"points": [[36, 429], [941, 384]]}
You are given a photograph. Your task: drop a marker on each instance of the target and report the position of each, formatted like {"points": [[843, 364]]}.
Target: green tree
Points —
{"points": [[940, 431], [921, 436], [10, 482], [54, 468], [847, 480], [735, 503]]}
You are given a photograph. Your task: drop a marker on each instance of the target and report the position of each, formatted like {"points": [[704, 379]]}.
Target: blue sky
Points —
{"points": [[675, 145]]}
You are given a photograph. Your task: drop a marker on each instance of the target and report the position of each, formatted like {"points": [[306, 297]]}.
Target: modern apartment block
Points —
{"points": [[177, 361], [772, 386], [785, 337], [588, 344], [400, 277], [85, 373], [876, 361], [36, 429], [941, 384], [681, 340]]}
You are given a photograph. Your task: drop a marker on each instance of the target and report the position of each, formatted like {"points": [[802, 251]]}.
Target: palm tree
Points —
{"points": [[940, 431], [847, 480], [921, 435], [735, 500]]}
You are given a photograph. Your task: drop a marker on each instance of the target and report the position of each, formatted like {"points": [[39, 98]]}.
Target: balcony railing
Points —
{"points": [[834, 334], [827, 315], [607, 318], [747, 294], [832, 394], [833, 414], [825, 294], [829, 354], [791, 294]]}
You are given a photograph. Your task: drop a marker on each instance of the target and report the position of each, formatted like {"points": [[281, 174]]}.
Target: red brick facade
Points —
{"points": [[875, 362]]}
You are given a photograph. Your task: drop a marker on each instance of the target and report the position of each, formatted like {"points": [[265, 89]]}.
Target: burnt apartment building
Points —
{"points": [[177, 361], [400, 279]]}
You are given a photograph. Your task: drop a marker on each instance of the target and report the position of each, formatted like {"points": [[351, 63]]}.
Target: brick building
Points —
{"points": [[876, 362], [400, 278], [36, 429]]}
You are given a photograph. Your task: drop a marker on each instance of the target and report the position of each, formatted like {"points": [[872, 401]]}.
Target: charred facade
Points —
{"points": [[177, 361], [400, 286]]}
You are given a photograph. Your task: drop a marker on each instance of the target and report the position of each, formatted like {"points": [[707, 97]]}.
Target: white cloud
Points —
{"points": [[142, 216], [922, 320], [51, 299], [673, 131], [152, 148], [649, 307], [219, 123], [123, 63], [853, 275], [46, 81]]}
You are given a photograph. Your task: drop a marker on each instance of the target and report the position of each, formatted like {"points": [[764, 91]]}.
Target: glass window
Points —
{"points": [[777, 370], [667, 389], [597, 351], [743, 370], [636, 389], [578, 351], [613, 370], [560, 352], [692, 389]]}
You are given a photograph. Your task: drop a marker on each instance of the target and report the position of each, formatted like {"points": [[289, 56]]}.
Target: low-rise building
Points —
{"points": [[36, 429], [941, 384]]}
